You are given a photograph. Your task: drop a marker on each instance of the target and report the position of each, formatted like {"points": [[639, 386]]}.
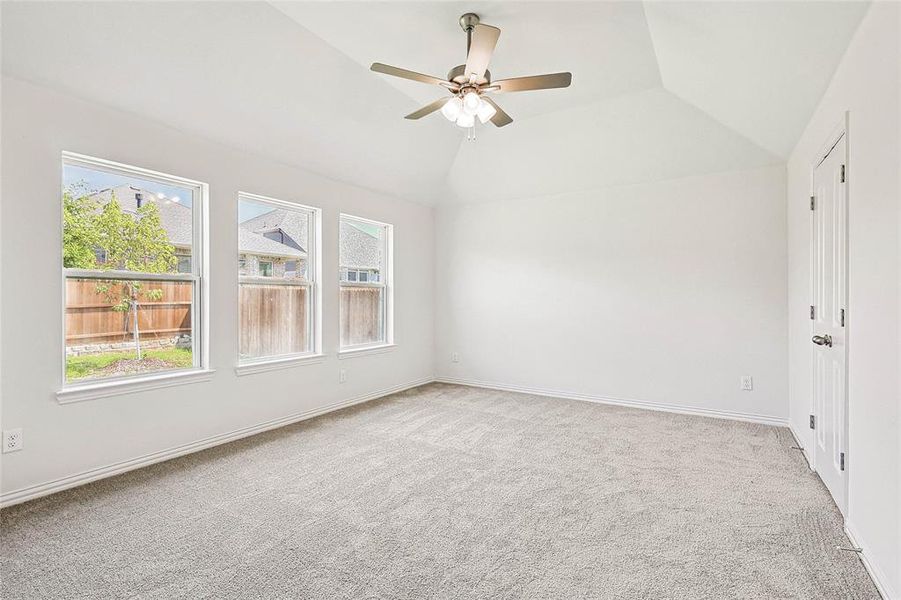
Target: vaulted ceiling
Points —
{"points": [[660, 90]]}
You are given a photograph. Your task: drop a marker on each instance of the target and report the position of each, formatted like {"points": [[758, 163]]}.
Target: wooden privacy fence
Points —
{"points": [[273, 319], [361, 315], [91, 319]]}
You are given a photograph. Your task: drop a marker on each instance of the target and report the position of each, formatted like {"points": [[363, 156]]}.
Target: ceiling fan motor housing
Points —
{"points": [[458, 75]]}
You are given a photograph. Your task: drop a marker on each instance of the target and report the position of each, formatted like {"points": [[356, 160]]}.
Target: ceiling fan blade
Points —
{"points": [[427, 109], [484, 39], [534, 82], [500, 118], [411, 75]]}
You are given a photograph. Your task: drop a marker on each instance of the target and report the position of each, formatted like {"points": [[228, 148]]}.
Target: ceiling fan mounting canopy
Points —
{"points": [[470, 84], [468, 21]]}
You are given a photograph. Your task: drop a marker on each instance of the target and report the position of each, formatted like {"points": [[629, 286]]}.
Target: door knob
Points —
{"points": [[822, 340]]}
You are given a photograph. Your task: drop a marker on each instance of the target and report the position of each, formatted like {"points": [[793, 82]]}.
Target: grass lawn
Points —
{"points": [[125, 363]]}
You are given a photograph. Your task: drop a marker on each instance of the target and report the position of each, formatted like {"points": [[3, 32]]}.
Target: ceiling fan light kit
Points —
{"points": [[471, 83]]}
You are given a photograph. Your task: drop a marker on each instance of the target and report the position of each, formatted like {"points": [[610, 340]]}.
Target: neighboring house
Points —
{"points": [[175, 217], [269, 245], [360, 254], [284, 228]]}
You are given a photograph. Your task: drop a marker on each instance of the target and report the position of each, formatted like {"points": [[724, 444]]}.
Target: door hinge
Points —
{"points": [[813, 202], [813, 422], [843, 173], [841, 460], [813, 312], [842, 313]]}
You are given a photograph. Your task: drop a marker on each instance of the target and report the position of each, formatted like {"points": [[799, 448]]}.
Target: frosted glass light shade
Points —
{"points": [[471, 103], [452, 109], [486, 111], [465, 120]]}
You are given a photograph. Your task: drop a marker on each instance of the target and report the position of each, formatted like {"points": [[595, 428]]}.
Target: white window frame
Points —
{"points": [[386, 282], [114, 386], [249, 366]]}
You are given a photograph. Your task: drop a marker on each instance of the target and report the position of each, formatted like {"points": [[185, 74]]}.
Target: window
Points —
{"points": [[365, 276], [184, 264], [278, 300], [132, 265]]}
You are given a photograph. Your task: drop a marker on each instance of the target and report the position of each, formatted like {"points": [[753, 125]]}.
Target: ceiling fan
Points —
{"points": [[470, 84]]}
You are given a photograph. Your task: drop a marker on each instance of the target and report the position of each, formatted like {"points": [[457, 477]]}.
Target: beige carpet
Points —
{"points": [[451, 492]]}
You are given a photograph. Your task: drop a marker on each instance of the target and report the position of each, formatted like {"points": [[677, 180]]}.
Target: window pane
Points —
{"points": [[362, 313], [274, 242], [121, 328], [363, 255], [123, 222], [362, 248], [116, 218], [184, 264], [274, 320]]}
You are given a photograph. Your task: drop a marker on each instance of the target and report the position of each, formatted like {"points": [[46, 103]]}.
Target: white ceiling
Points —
{"points": [[660, 90], [758, 67]]}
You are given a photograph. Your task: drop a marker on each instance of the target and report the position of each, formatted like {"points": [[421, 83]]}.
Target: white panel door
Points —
{"points": [[830, 274]]}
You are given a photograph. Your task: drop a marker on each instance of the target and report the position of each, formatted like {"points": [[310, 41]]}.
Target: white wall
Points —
{"points": [[64, 440], [663, 292], [866, 84]]}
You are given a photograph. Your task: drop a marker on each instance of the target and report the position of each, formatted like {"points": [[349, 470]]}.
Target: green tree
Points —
{"points": [[79, 231], [130, 242], [134, 242]]}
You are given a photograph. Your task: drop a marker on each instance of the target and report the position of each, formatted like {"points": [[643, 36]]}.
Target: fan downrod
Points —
{"points": [[468, 22]]}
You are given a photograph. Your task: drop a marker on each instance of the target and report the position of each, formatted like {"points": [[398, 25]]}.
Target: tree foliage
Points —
{"points": [[134, 242], [80, 236], [131, 242]]}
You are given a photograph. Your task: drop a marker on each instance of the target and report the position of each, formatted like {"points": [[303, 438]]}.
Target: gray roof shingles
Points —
{"points": [[359, 249]]}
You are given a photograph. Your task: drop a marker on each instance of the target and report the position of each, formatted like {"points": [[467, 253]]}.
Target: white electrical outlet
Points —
{"points": [[342, 375], [747, 383], [12, 440], [455, 357]]}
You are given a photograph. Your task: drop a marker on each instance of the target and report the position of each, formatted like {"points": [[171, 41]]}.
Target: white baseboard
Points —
{"points": [[645, 404], [880, 579], [57, 485]]}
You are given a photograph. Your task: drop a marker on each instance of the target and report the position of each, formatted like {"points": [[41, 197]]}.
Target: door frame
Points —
{"points": [[839, 131]]}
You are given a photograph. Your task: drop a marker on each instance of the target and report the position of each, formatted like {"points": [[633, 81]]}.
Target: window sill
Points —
{"points": [[366, 351], [262, 366], [93, 391]]}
